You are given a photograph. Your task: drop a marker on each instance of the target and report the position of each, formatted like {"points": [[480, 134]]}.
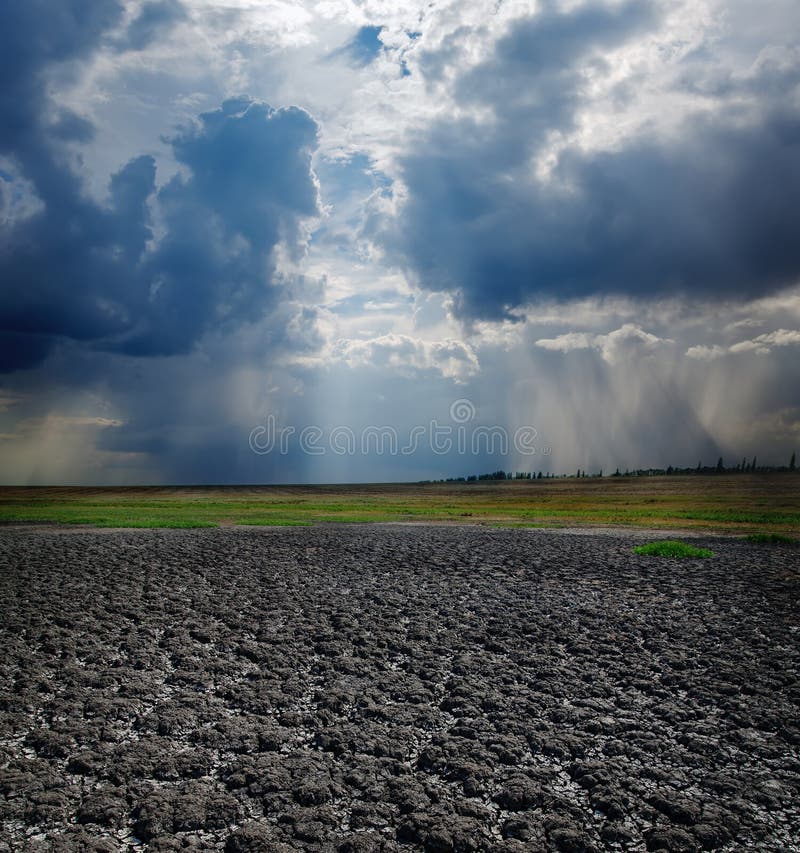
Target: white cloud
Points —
{"points": [[765, 343], [619, 345], [761, 344], [568, 342], [451, 358], [704, 353]]}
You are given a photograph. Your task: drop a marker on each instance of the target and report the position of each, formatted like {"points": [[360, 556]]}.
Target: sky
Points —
{"points": [[258, 241]]}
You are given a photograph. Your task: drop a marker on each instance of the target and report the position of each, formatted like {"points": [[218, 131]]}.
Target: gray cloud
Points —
{"points": [[152, 20], [708, 210], [97, 279], [250, 188], [74, 267], [33, 36]]}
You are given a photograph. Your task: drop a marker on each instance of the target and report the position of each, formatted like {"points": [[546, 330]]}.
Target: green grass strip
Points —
{"points": [[673, 549], [771, 538]]}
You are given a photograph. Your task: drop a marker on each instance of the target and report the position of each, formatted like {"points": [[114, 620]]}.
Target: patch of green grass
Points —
{"points": [[272, 522], [140, 521], [155, 522], [671, 548], [771, 538], [740, 517]]}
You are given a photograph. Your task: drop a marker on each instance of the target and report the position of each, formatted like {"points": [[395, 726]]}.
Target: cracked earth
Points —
{"points": [[389, 688]]}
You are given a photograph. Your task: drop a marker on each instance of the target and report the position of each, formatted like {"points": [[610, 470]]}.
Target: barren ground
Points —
{"points": [[372, 688]]}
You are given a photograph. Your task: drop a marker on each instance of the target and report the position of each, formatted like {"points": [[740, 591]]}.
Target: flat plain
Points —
{"points": [[395, 687], [288, 679], [727, 503]]}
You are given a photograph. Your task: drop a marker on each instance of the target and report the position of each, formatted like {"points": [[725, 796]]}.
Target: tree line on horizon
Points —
{"points": [[744, 467]]}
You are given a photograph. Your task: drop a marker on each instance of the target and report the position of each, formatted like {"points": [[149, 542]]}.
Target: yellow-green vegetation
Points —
{"points": [[771, 538], [742, 504], [671, 548]]}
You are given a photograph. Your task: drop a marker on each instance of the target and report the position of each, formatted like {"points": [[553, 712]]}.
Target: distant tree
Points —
{"points": [[669, 469], [753, 465], [699, 465], [744, 464], [539, 476], [793, 462], [720, 466]]}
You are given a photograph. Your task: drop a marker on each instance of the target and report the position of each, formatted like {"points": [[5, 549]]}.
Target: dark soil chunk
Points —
{"points": [[103, 807]]}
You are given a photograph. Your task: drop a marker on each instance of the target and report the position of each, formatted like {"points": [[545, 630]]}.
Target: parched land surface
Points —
{"points": [[394, 688]]}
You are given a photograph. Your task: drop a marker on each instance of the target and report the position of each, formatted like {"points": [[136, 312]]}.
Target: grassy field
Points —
{"points": [[742, 504]]}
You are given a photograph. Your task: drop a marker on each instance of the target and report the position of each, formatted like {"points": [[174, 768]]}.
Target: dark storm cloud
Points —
{"points": [[82, 270], [54, 243], [709, 212], [57, 267], [712, 215], [66, 269], [19, 350], [250, 186], [34, 35], [73, 267], [537, 67]]}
